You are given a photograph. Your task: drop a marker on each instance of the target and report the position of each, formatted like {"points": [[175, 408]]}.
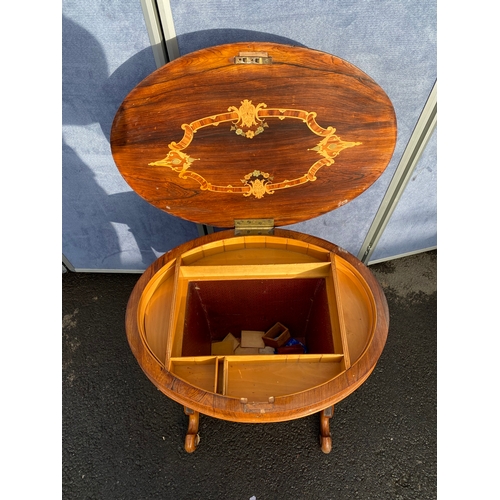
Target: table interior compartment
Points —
{"points": [[216, 308], [201, 372], [261, 379]]}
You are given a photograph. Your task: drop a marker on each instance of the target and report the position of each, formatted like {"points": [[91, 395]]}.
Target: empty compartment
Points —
{"points": [[200, 372], [216, 308], [281, 376]]}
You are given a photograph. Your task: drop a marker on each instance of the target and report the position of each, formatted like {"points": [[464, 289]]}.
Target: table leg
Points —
{"points": [[325, 438], [192, 436]]}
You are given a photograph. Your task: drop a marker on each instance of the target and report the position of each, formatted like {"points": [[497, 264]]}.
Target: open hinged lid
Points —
{"points": [[253, 130]]}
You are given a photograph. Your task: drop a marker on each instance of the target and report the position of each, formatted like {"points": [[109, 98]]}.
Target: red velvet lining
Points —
{"points": [[216, 308]]}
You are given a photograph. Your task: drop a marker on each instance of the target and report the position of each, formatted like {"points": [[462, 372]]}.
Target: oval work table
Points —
{"points": [[254, 323]]}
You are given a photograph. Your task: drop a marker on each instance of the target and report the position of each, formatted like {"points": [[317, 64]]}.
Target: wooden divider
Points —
{"points": [[252, 271]]}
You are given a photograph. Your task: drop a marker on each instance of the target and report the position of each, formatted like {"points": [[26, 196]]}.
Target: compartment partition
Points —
{"points": [[259, 379], [200, 371]]}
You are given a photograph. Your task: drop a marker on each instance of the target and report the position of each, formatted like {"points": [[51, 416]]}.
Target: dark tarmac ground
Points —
{"points": [[123, 439]]}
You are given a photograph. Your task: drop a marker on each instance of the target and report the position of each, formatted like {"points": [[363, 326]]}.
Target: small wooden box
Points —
{"points": [[276, 336], [255, 132]]}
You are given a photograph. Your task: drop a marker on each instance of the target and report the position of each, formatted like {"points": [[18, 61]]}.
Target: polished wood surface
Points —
{"points": [[212, 141], [245, 388]]}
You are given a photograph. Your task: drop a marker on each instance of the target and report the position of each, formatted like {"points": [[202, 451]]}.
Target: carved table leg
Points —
{"points": [[192, 436], [325, 438]]}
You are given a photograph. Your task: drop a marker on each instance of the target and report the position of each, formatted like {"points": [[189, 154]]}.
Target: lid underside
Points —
{"points": [[253, 130]]}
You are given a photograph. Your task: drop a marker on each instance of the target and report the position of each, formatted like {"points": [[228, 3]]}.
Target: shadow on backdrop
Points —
{"points": [[189, 42], [92, 236]]}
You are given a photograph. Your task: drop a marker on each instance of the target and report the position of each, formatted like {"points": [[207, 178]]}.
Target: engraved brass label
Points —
{"points": [[249, 121], [253, 58]]}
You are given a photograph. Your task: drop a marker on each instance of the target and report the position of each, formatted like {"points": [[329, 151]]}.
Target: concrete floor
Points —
{"points": [[123, 439]]}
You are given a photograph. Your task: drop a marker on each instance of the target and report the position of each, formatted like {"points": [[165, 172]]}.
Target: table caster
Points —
{"points": [[192, 437], [325, 438]]}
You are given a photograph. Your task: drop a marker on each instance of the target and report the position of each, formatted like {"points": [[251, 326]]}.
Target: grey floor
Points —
{"points": [[123, 439]]}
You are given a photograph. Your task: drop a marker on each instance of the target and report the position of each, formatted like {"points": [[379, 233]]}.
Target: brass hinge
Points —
{"points": [[253, 226], [253, 58]]}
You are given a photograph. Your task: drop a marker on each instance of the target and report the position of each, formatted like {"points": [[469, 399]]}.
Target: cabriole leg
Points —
{"points": [[325, 438], [192, 436]]}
